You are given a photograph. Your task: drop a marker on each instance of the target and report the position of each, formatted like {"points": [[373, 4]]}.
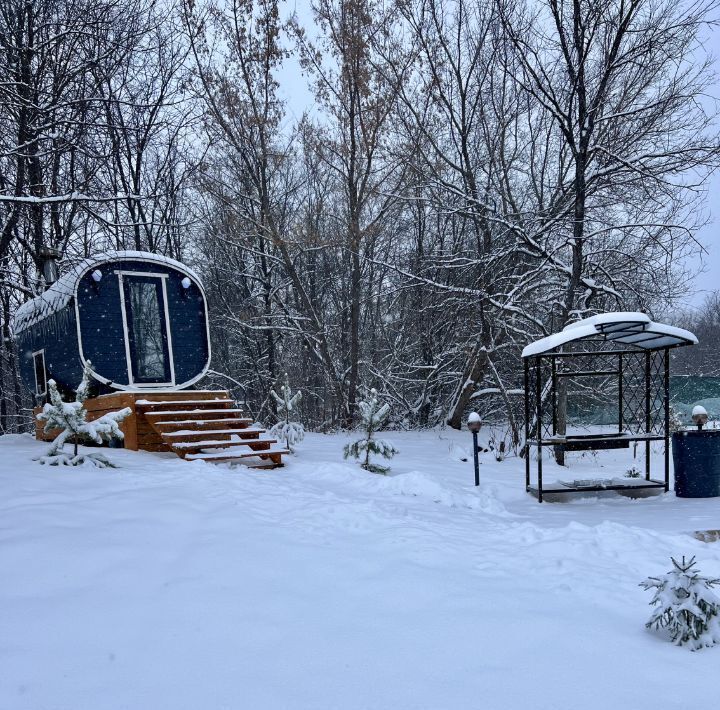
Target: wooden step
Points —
{"points": [[181, 395], [210, 446], [205, 427], [147, 405], [179, 415], [273, 454], [231, 424], [220, 443], [202, 425], [184, 394], [198, 434]]}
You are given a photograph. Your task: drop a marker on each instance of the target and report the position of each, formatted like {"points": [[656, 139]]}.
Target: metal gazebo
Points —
{"points": [[624, 357]]}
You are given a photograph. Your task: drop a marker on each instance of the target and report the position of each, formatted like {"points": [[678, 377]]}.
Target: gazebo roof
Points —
{"points": [[632, 329]]}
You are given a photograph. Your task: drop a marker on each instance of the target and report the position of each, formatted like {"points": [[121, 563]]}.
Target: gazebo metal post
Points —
{"points": [[553, 363], [666, 404], [647, 415], [538, 406], [621, 423], [526, 362]]}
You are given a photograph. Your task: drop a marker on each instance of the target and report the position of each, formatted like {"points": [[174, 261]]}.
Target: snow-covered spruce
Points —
{"points": [[292, 433], [685, 605], [373, 416], [676, 420], [71, 419]]}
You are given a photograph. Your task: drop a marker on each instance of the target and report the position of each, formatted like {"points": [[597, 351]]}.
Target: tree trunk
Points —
{"points": [[473, 373], [354, 330]]}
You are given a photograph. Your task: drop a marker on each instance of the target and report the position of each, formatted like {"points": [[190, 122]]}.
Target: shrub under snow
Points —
{"points": [[287, 430], [70, 418], [685, 605], [373, 416]]}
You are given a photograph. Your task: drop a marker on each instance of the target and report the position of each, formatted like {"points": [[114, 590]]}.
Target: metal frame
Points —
{"points": [[644, 371]]}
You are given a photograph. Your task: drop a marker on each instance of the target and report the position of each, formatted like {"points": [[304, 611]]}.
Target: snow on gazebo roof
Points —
{"points": [[59, 294], [629, 328]]}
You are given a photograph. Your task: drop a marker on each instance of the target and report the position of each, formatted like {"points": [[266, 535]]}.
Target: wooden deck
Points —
{"points": [[195, 424]]}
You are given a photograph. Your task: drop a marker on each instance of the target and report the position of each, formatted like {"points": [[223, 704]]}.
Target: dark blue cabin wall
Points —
{"points": [[188, 328], [101, 321], [101, 328], [101, 325], [57, 336]]}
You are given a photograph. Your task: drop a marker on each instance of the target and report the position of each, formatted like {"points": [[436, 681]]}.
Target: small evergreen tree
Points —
{"points": [[676, 420], [291, 432], [685, 605], [373, 416], [71, 419]]}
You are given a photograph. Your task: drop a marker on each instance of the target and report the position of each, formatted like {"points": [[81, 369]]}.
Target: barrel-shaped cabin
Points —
{"points": [[139, 319]]}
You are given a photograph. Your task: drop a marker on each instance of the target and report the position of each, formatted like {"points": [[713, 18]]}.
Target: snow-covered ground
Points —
{"points": [[187, 586]]}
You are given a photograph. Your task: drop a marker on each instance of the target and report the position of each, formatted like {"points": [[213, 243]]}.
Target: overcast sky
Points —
{"points": [[293, 87]]}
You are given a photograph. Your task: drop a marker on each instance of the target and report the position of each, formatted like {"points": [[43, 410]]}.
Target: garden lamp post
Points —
{"points": [[474, 423], [699, 416]]}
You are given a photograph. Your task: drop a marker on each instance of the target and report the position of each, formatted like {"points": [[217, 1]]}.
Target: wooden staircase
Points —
{"points": [[206, 426], [198, 425]]}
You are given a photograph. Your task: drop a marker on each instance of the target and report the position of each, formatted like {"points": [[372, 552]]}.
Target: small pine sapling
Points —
{"points": [[286, 429], [71, 419], [685, 605], [676, 420], [373, 416]]}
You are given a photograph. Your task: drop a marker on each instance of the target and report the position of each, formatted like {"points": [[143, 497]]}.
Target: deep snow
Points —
{"points": [[167, 584]]}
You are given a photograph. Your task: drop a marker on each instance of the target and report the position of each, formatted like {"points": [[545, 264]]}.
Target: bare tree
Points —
{"points": [[623, 84], [151, 124], [237, 49], [55, 56], [357, 100], [54, 59]]}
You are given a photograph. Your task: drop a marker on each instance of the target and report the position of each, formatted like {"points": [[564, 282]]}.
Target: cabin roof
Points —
{"points": [[628, 328], [62, 291]]}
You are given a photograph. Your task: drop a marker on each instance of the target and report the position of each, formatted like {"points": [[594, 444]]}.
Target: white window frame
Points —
{"points": [[38, 393], [126, 330]]}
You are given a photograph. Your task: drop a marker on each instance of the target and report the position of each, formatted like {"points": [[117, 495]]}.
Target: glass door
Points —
{"points": [[147, 330]]}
